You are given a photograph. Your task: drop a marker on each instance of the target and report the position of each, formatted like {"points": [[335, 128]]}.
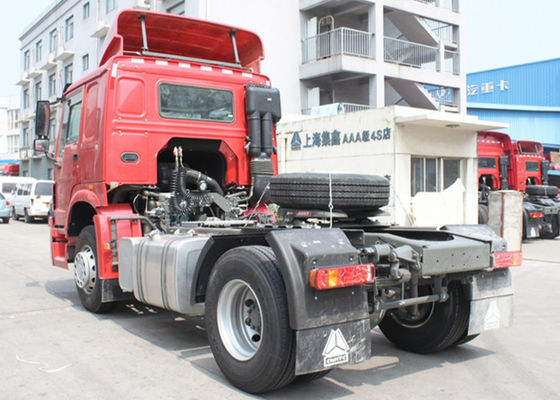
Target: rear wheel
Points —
{"points": [[247, 320], [438, 326], [26, 217], [14, 214], [554, 227], [6, 220], [86, 273]]}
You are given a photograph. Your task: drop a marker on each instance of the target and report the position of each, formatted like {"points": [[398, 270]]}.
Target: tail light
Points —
{"points": [[505, 259], [342, 276], [7, 203], [536, 215]]}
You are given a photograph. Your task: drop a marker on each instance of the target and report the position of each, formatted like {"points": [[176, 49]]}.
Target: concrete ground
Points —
{"points": [[51, 348]]}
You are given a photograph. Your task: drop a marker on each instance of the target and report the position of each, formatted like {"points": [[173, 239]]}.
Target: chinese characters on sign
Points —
{"points": [[337, 138], [487, 87]]}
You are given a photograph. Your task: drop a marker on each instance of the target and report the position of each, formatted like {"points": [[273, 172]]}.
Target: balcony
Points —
{"points": [[341, 41], [101, 30], [62, 54], [24, 80], [335, 109], [49, 62], [34, 73]]}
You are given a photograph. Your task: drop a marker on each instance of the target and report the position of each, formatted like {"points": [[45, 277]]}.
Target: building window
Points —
{"points": [[26, 98], [52, 85], [110, 5], [53, 36], [68, 74], [178, 8], [38, 50], [85, 10], [25, 138], [13, 143], [433, 174], [26, 59], [85, 62], [69, 28], [49, 173], [12, 118], [38, 93]]}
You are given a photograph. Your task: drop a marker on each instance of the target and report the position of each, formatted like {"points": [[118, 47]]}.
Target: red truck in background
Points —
{"points": [[519, 165], [164, 165], [11, 169]]}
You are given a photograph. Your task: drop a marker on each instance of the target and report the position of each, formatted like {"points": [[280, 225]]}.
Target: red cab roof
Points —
{"points": [[179, 36]]}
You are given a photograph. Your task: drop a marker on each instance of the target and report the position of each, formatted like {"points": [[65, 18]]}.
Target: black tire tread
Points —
{"points": [[542, 190], [444, 329]]}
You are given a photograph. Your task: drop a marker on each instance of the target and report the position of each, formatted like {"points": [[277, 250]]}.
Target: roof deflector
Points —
{"points": [[173, 36]]}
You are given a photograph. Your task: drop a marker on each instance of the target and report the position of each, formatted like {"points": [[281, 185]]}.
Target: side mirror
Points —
{"points": [[42, 118], [41, 145]]}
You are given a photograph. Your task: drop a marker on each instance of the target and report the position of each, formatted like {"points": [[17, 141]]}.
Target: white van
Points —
{"points": [[33, 200], [8, 185]]}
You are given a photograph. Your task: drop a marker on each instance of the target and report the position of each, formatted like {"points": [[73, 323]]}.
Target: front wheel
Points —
{"points": [[247, 320], [86, 273], [437, 327]]}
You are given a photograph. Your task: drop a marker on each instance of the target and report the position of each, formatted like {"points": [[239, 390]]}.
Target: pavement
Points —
{"points": [[52, 349]]}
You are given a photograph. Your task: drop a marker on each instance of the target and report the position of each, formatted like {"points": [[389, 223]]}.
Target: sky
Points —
{"points": [[498, 33]]}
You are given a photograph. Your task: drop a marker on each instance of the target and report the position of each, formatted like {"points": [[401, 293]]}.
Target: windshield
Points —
{"points": [[43, 189], [486, 162], [2, 196], [532, 166], [190, 102]]}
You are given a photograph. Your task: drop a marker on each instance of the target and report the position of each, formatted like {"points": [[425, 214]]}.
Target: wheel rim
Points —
{"points": [[239, 318], [84, 269], [402, 317]]}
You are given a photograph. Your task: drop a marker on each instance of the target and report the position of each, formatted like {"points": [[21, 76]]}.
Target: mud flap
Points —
{"points": [[330, 346], [491, 301]]}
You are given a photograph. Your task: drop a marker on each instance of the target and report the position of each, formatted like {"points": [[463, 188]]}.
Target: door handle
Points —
{"points": [[74, 157]]}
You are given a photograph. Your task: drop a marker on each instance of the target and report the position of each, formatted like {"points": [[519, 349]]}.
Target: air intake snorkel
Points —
{"points": [[262, 107]]}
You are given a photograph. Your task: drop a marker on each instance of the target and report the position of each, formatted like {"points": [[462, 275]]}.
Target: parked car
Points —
{"points": [[33, 200], [5, 209]]}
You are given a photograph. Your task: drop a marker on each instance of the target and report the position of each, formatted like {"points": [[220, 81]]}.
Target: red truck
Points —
{"points": [[165, 168], [520, 165]]}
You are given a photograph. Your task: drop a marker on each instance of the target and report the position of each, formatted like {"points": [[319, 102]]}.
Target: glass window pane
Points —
{"points": [[451, 172], [532, 166], [417, 175], [431, 175], [189, 102]]}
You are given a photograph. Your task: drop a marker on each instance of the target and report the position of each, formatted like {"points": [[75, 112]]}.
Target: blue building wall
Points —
{"points": [[525, 96]]}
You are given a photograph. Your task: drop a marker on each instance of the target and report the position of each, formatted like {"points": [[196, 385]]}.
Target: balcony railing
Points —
{"points": [[335, 109], [417, 55], [341, 41]]}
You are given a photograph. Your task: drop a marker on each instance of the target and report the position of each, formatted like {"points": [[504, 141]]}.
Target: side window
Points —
{"points": [[71, 121], [19, 190]]}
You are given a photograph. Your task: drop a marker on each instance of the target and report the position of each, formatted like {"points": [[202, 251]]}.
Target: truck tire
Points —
{"points": [[86, 273], [350, 192], [6, 220], [555, 229], [441, 325], [247, 320], [14, 214], [542, 190], [482, 214]]}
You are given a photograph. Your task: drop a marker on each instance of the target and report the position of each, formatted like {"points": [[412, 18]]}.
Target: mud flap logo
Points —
{"points": [[336, 349], [493, 317]]}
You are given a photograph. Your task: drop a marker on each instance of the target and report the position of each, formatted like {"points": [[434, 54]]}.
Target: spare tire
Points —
{"points": [[542, 190], [351, 193]]}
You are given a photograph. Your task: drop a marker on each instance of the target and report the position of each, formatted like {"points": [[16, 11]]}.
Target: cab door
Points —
{"points": [[67, 173]]}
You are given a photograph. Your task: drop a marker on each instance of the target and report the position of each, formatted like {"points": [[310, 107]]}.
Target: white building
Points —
{"points": [[328, 57], [9, 132]]}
